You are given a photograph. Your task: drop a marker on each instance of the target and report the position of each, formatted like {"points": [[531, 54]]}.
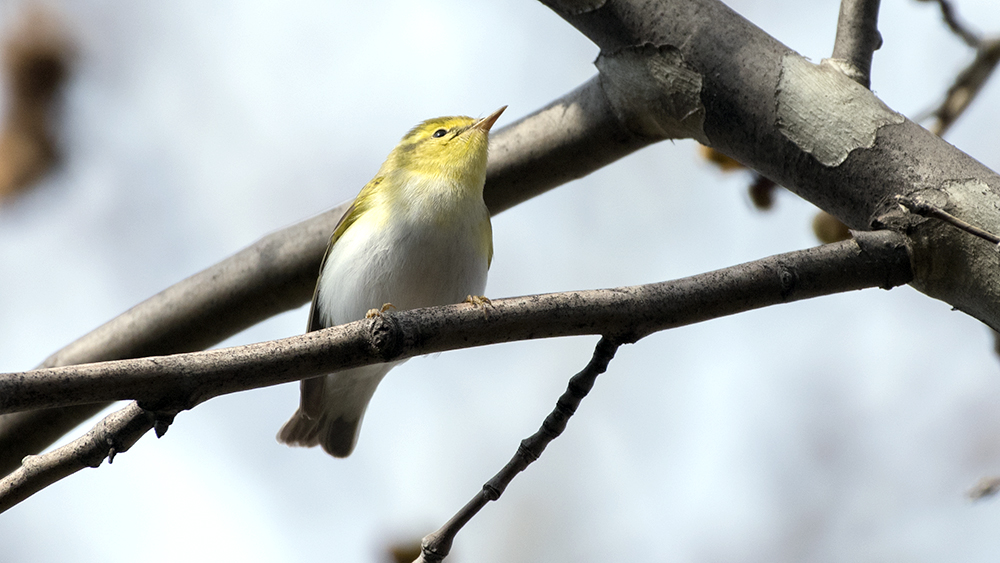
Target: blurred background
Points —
{"points": [[846, 428]]}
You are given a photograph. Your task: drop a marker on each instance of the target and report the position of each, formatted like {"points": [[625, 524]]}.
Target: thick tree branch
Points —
{"points": [[168, 384], [857, 39], [567, 139], [805, 126]]}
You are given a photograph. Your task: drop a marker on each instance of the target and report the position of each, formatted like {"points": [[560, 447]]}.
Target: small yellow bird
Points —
{"points": [[418, 235]]}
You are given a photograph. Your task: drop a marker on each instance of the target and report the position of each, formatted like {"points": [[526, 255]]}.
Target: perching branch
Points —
{"points": [[437, 545], [181, 381], [567, 139], [857, 39], [168, 384]]}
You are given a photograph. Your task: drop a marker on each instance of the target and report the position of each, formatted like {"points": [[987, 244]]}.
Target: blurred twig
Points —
{"points": [[985, 488], [971, 79], [967, 86], [948, 13]]}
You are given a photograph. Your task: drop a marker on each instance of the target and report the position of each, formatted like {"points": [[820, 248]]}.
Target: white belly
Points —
{"points": [[410, 267]]}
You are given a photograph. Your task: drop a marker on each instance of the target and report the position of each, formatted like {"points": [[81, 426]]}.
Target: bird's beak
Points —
{"points": [[485, 123]]}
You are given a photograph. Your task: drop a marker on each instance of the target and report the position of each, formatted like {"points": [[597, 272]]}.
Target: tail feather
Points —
{"points": [[331, 410], [338, 436]]}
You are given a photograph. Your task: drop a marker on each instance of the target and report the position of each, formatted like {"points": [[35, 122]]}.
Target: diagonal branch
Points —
{"points": [[115, 434], [970, 37], [805, 126], [181, 381], [171, 383], [436, 546], [968, 84]]}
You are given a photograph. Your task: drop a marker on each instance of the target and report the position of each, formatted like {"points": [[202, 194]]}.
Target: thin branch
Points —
{"points": [[987, 487], [970, 37], [571, 137], [857, 39], [925, 209], [436, 546], [167, 384], [968, 84], [115, 434], [171, 383]]}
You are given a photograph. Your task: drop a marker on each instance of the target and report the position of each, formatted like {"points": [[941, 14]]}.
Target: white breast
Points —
{"points": [[416, 262]]}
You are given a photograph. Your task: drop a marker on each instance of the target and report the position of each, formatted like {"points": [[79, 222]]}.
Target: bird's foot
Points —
{"points": [[372, 313], [477, 300]]}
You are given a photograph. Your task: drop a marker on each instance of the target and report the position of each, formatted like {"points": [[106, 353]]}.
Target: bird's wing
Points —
{"points": [[362, 203]]}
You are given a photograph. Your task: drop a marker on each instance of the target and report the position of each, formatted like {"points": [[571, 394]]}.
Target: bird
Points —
{"points": [[417, 235]]}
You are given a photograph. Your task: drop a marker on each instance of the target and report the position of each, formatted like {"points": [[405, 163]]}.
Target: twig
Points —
{"points": [[114, 434], [925, 209], [437, 545], [967, 86], [948, 13], [986, 487], [871, 259], [857, 39]]}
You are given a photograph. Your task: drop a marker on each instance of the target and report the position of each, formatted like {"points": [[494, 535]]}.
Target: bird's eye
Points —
{"points": [[440, 133]]}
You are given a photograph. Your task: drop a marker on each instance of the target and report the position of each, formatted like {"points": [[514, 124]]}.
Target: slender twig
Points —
{"points": [[925, 209], [436, 546], [971, 79], [948, 13], [857, 39], [968, 84], [871, 259], [986, 487]]}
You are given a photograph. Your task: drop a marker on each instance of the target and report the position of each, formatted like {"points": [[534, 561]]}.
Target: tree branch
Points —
{"points": [[115, 434], [857, 39], [948, 14], [171, 383], [567, 139], [437, 545], [927, 210], [805, 126], [181, 381], [968, 84]]}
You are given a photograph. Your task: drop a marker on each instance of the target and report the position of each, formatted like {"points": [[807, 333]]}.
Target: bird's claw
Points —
{"points": [[372, 313]]}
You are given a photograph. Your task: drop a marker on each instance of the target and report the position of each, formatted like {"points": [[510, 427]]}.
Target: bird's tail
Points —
{"points": [[331, 409]]}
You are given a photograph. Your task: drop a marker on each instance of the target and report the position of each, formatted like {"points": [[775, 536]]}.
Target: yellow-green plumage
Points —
{"points": [[417, 235]]}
